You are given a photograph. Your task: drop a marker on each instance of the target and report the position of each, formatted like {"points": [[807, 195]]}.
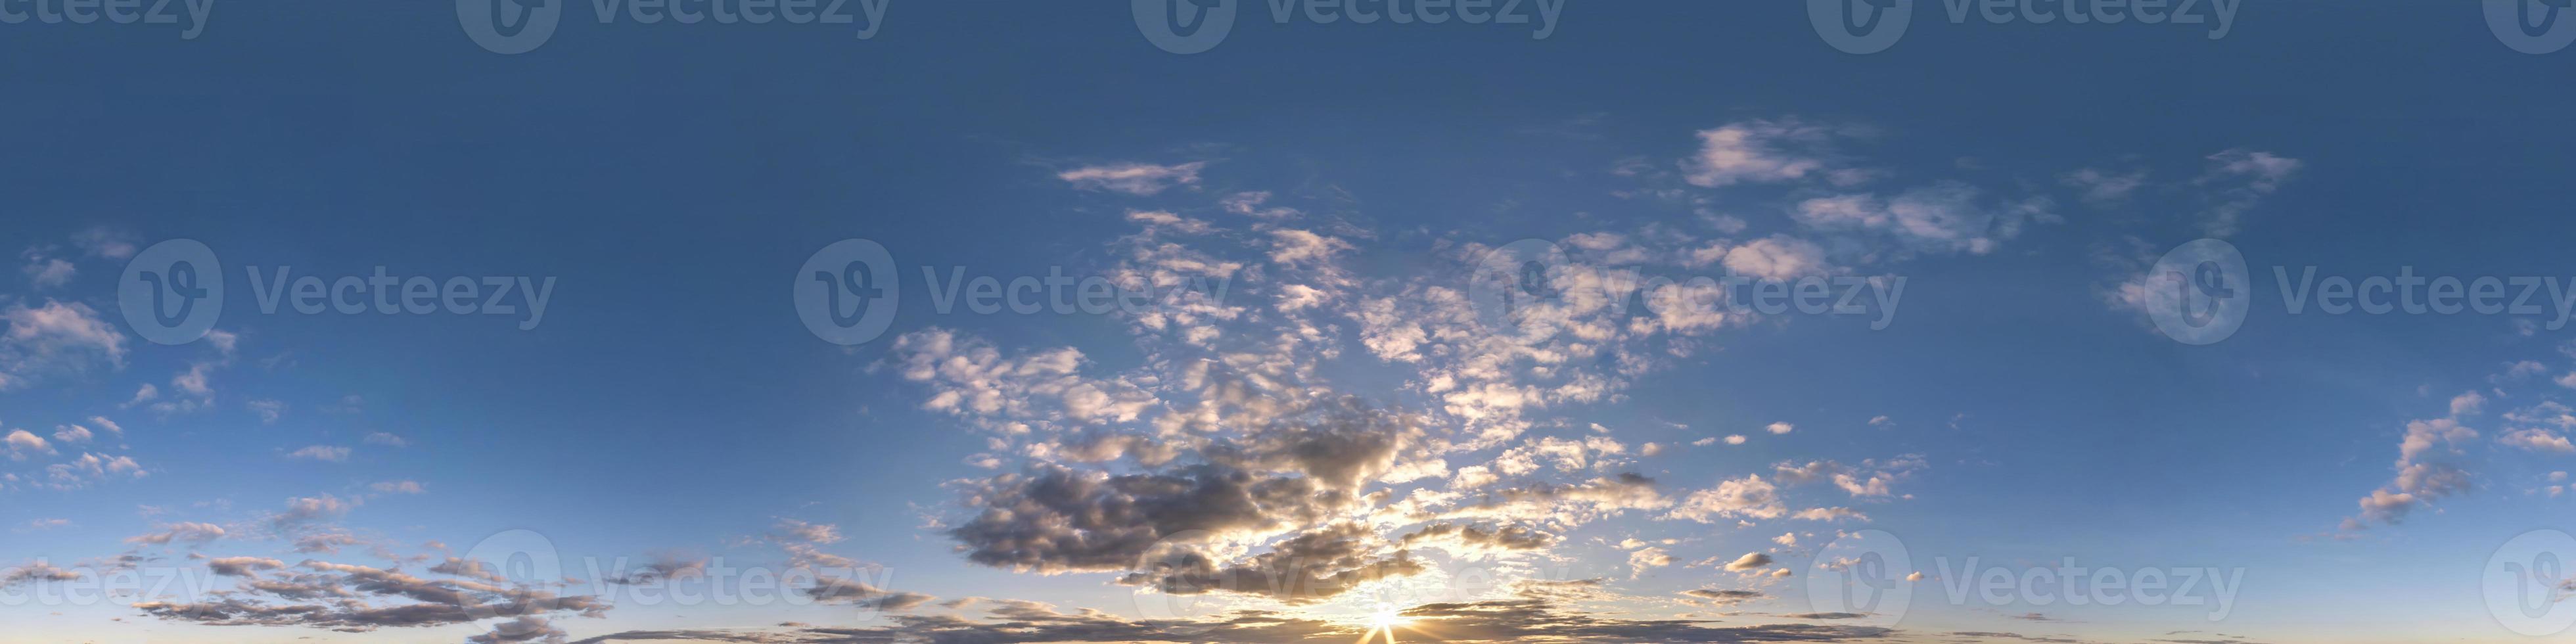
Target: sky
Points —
{"points": [[1286, 321]]}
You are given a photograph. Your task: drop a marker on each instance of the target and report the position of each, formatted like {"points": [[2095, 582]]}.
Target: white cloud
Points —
{"points": [[2242, 179], [2467, 404], [322, 453], [56, 337], [2102, 187], [1945, 217], [1757, 151], [267, 410], [1778, 257], [22, 443], [72, 434], [1749, 561], [47, 272], [1140, 179], [1749, 497]]}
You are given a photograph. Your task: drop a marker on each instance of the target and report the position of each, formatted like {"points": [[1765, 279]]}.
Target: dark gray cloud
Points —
{"points": [[1309, 567], [344, 597]]}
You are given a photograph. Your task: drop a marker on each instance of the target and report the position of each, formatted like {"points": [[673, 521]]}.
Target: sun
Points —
{"points": [[1387, 618]]}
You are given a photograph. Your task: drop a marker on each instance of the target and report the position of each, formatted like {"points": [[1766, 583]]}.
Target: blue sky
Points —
{"points": [[1321, 387]]}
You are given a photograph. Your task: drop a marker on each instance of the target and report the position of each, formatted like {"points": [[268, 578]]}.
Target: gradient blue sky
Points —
{"points": [[671, 408]]}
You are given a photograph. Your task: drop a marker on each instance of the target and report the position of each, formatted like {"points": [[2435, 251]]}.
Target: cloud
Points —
{"points": [[190, 533], [46, 272], [524, 628], [268, 410], [56, 338], [2241, 179], [2423, 473], [22, 443], [242, 566], [398, 487], [2102, 187], [1140, 179], [105, 243], [1944, 217], [1468, 539], [1749, 561], [352, 598], [1525, 617], [1760, 151], [1748, 497], [1306, 568], [322, 453], [1715, 597], [302, 510], [1778, 257], [1647, 558]]}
